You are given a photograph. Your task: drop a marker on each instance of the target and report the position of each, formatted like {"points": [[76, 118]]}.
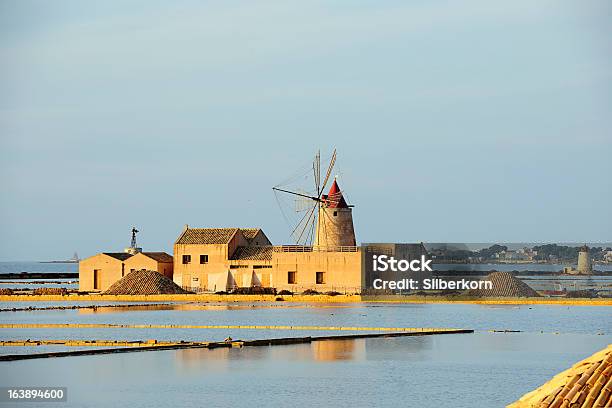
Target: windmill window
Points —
{"points": [[292, 278], [320, 278], [335, 213], [186, 259], [203, 259]]}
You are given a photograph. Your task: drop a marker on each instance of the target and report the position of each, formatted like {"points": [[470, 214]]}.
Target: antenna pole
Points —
{"points": [[134, 231]]}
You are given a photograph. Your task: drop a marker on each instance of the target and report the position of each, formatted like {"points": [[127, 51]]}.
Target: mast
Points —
{"points": [[134, 232]]}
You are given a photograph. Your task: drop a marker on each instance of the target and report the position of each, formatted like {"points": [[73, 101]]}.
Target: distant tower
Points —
{"points": [[584, 261], [335, 221], [133, 248]]}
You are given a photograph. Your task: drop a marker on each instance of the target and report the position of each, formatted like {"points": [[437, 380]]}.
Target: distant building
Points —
{"points": [[584, 261], [585, 266], [408, 252], [99, 272]]}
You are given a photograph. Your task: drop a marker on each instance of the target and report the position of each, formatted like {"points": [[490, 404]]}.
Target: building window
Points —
{"points": [[262, 266], [320, 278], [122, 270], [96, 276], [238, 266], [186, 259], [335, 213], [292, 278], [203, 259]]}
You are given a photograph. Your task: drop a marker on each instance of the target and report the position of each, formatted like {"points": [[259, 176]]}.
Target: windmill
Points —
{"points": [[321, 220]]}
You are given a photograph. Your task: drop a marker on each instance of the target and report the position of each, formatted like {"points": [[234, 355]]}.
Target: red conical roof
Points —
{"points": [[334, 198]]}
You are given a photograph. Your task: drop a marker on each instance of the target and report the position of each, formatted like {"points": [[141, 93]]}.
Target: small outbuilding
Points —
{"points": [[99, 272]]}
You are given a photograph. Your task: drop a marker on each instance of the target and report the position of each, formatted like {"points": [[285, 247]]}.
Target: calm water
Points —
{"points": [[477, 370], [483, 369], [18, 267]]}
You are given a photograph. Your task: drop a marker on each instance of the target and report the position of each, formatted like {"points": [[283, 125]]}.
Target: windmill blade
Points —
{"points": [[302, 204], [301, 223], [307, 224], [316, 167], [295, 193], [329, 170]]}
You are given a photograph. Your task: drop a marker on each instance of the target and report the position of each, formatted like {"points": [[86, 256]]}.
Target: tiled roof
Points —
{"points": [[334, 198], [256, 253], [122, 256], [249, 233], [587, 384], [206, 236], [159, 256]]}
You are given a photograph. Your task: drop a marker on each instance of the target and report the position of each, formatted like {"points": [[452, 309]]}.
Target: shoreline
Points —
{"points": [[307, 299]]}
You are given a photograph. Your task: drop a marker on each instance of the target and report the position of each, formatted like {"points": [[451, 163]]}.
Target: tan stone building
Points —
{"points": [[220, 259], [203, 257], [99, 272]]}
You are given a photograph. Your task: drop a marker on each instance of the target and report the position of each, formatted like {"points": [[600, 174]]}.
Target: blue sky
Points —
{"points": [[464, 121]]}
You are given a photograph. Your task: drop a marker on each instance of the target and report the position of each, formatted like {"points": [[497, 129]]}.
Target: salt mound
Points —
{"points": [[504, 285], [144, 282]]}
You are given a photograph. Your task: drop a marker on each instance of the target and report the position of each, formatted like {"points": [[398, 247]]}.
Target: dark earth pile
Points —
{"points": [[144, 282], [504, 285], [50, 291], [583, 293], [254, 291]]}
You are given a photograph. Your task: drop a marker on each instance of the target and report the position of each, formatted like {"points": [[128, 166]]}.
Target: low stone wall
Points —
{"points": [[183, 298], [305, 299]]}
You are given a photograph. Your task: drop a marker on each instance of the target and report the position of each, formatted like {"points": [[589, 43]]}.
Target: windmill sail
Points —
{"points": [[313, 221]]}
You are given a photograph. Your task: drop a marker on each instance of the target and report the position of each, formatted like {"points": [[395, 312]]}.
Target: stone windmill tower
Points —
{"points": [[326, 220], [335, 220], [584, 261]]}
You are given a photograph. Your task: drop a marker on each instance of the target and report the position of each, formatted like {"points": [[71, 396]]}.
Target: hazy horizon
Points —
{"points": [[469, 121]]}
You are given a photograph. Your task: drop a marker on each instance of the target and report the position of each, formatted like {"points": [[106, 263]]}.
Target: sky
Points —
{"points": [[454, 121]]}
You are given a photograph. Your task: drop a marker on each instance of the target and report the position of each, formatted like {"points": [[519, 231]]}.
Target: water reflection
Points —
{"points": [[183, 307], [318, 350], [332, 350], [123, 309]]}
